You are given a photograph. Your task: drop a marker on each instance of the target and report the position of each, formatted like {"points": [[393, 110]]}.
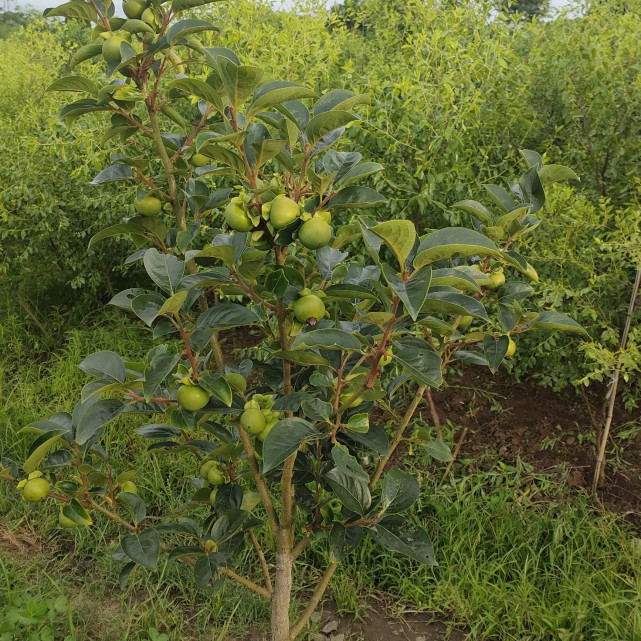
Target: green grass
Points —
{"points": [[520, 556]]}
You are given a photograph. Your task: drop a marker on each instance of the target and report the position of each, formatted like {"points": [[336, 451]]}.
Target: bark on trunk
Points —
{"points": [[281, 595]]}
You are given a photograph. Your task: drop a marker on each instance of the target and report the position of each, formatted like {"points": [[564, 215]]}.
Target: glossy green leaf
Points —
{"points": [[399, 236], [105, 364], [143, 548], [164, 269], [393, 534], [352, 492], [556, 321], [40, 448], [324, 123], [284, 439], [400, 491], [157, 371], [413, 291], [227, 316], [418, 358], [327, 339], [495, 350], [74, 83], [355, 197], [454, 241]]}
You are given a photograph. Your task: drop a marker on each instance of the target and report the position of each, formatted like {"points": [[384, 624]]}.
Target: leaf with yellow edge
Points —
{"points": [[399, 236], [173, 304]]}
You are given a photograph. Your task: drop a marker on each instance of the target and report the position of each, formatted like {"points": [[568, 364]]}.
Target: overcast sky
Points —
{"points": [[40, 5]]}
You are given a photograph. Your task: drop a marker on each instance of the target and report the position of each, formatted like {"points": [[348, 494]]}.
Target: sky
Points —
{"points": [[40, 5]]}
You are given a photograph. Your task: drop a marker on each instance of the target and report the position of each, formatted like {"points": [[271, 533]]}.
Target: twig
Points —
{"points": [[33, 317], [400, 430], [599, 469], [263, 562], [313, 602], [457, 449], [250, 585], [434, 413]]}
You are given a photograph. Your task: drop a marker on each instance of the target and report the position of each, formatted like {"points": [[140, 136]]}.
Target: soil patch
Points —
{"points": [[508, 420]]}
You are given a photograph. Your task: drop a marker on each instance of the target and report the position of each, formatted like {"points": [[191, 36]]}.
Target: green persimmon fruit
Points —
{"points": [[111, 48], [149, 17], [465, 322], [192, 398], [309, 307], [199, 160], [237, 381], [496, 280], [315, 233], [205, 467], [284, 211], [511, 348], [134, 8], [65, 522], [35, 490], [148, 205], [215, 476], [129, 487], [252, 421], [237, 218], [268, 428]]}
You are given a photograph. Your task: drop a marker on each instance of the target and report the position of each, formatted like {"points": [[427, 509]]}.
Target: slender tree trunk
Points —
{"points": [[281, 596]]}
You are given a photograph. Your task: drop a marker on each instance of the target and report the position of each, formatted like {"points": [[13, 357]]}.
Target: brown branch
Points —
{"points": [[398, 434], [263, 562], [260, 481], [250, 585], [297, 628]]}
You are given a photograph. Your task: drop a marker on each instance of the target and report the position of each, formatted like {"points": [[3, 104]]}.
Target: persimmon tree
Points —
{"points": [[349, 311]]}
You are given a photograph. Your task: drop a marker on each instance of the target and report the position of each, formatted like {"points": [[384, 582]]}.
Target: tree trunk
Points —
{"points": [[282, 593]]}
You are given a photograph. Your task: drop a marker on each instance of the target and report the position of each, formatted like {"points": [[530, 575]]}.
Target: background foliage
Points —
{"points": [[456, 93]]}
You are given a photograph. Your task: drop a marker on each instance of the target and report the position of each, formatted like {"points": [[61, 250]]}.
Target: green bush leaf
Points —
{"points": [[274, 93], [164, 269], [134, 505], [227, 316], [198, 88], [324, 123], [355, 197], [556, 321], [418, 358], [74, 9], [400, 491], [495, 350], [218, 386], [413, 291], [284, 439], [143, 549], [327, 339], [119, 171], [454, 241], [392, 534], [92, 416], [352, 492], [74, 83], [156, 372], [184, 28], [158, 431], [399, 236], [105, 364], [40, 447], [448, 302]]}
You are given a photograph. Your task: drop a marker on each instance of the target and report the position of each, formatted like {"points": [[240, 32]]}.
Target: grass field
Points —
{"points": [[520, 555]]}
